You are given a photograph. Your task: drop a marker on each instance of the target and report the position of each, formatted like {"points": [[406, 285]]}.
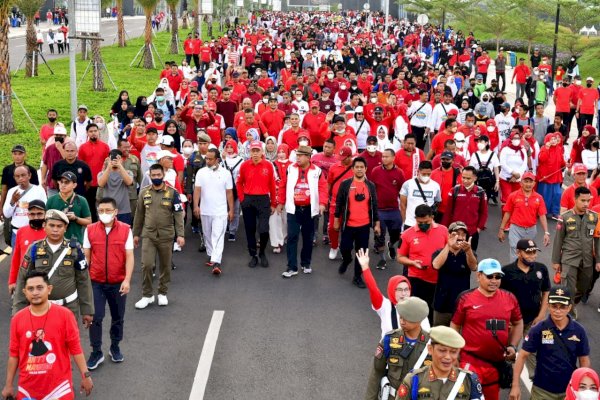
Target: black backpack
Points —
{"points": [[485, 176]]}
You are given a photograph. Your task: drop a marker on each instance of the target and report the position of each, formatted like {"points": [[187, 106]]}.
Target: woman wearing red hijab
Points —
{"points": [[584, 385], [513, 164], [579, 144], [532, 147], [549, 172], [491, 131]]}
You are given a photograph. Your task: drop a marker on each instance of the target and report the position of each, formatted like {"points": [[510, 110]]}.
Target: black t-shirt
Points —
{"points": [[8, 176], [527, 287], [79, 168], [453, 278]]}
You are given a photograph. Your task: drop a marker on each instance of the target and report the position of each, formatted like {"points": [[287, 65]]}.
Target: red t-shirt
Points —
{"points": [[302, 190], [332, 179], [437, 143], [51, 157], [358, 211], [94, 154], [589, 98], [46, 132], [409, 163], [25, 238], [418, 245], [563, 99], [525, 210], [45, 366], [473, 309], [567, 200]]}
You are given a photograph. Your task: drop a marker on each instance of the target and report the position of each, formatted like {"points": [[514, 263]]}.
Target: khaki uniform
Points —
{"points": [[431, 387], [389, 360], [574, 246], [71, 285], [158, 219]]}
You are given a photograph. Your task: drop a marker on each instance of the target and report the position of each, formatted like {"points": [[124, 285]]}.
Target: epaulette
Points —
{"points": [[392, 332]]}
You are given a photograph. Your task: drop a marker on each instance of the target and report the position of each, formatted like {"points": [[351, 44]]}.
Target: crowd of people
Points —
{"points": [[325, 127]]}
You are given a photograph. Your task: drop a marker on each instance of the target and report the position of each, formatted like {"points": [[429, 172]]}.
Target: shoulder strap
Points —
{"points": [[58, 262], [421, 191], [489, 159], [337, 179], [478, 159], [422, 357], [455, 173], [562, 343], [394, 318], [418, 109]]}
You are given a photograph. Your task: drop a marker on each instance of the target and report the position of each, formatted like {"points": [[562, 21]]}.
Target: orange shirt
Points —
{"points": [[358, 211]]}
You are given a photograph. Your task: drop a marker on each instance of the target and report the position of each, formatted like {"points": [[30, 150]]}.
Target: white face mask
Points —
{"points": [[587, 394], [516, 142], [371, 148], [265, 101], [303, 143], [106, 218], [188, 150], [298, 98], [330, 76], [490, 129], [148, 119], [424, 179], [481, 146], [373, 100], [343, 87], [100, 125]]}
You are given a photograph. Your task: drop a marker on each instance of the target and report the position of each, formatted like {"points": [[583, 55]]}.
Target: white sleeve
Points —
{"points": [[86, 240], [128, 243], [7, 209], [197, 183]]}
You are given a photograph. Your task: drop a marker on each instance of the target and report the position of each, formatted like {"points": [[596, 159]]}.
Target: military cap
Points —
{"points": [[203, 138], [57, 215], [560, 295], [413, 309], [446, 336]]}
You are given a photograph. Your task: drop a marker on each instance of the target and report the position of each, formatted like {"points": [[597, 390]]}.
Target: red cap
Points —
{"points": [[528, 175], [256, 145], [345, 152], [579, 168], [453, 112], [193, 84], [314, 103], [211, 105]]}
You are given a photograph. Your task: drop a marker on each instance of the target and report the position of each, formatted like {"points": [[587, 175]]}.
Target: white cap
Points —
{"points": [[164, 153], [60, 130], [459, 136], [589, 78], [166, 140], [358, 109]]}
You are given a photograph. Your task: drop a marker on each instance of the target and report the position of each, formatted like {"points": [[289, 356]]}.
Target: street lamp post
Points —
{"points": [[555, 38]]}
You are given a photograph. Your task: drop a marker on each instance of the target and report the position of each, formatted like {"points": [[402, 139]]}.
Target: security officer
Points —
{"points": [[194, 163], [442, 380], [159, 218], [574, 246], [400, 351], [65, 264]]}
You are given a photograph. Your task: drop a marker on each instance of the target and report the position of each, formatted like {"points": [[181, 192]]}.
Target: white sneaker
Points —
{"points": [[307, 270], [162, 300], [176, 247], [333, 253], [289, 273], [144, 302]]}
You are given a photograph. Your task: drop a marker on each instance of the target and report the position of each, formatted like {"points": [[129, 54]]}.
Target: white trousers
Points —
{"points": [[277, 228], [213, 228]]}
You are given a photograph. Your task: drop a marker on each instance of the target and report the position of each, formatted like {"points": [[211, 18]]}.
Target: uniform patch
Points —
{"points": [[25, 264], [394, 340], [68, 263], [427, 363], [462, 388], [424, 390], [44, 262], [574, 338], [379, 352], [395, 346], [394, 360], [571, 219], [402, 390], [547, 337], [538, 274]]}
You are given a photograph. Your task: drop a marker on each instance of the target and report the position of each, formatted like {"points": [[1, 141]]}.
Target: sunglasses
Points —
{"points": [[494, 276]]}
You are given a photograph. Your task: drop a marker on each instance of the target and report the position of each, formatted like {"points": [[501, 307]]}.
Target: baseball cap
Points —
{"points": [[82, 107], [167, 140], [235, 74], [314, 103], [478, 76], [338, 118], [559, 295], [69, 175], [211, 105], [358, 110], [579, 168], [446, 336], [378, 109], [372, 139], [506, 104], [413, 309], [489, 266], [589, 78], [163, 154], [447, 154], [57, 215], [453, 112], [345, 152], [256, 145], [19, 148], [326, 90], [527, 245], [528, 175], [159, 111], [36, 204], [60, 130], [458, 225]]}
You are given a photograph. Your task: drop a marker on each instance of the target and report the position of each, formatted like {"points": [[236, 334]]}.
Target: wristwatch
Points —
{"points": [[86, 375], [514, 347]]}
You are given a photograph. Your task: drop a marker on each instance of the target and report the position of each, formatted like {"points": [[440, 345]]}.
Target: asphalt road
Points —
{"points": [[134, 28], [311, 337]]}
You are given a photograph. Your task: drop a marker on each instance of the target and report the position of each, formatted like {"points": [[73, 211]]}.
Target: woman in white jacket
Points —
{"points": [[513, 164]]}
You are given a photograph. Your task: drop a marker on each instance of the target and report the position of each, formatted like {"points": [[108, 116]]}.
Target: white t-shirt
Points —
{"points": [[128, 242], [385, 316], [432, 193], [148, 156], [494, 162], [20, 211], [590, 159], [214, 185]]}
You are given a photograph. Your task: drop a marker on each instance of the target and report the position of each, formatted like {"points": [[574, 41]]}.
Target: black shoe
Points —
{"points": [[342, 269], [381, 264], [357, 281], [253, 262], [391, 252], [202, 247], [173, 266], [263, 261]]}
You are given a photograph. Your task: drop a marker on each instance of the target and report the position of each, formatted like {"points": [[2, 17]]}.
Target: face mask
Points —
{"points": [[589, 85], [516, 142], [303, 143], [106, 218], [490, 129], [527, 263], [36, 224], [485, 100], [214, 167], [148, 119], [374, 100], [298, 98], [157, 181], [265, 101], [144, 103], [424, 179], [343, 87], [351, 61], [446, 164], [371, 148], [587, 394], [94, 139], [100, 125], [470, 94], [481, 146], [330, 76], [160, 98], [52, 119], [158, 119], [578, 82], [59, 139], [423, 227], [565, 84], [188, 150]]}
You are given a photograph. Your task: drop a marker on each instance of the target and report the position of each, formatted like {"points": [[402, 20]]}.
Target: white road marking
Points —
{"points": [[206, 357], [7, 250]]}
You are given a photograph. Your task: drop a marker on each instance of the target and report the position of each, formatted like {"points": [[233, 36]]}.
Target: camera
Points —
{"points": [[359, 197], [495, 325]]}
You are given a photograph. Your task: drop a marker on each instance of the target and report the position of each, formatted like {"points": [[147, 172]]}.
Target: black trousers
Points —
{"points": [[583, 120], [503, 76], [357, 238], [256, 210], [420, 135], [107, 293], [425, 291], [90, 196]]}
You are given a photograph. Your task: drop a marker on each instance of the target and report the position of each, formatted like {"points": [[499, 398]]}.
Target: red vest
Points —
{"points": [[105, 268]]}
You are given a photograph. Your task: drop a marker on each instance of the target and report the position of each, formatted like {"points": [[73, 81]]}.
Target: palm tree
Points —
{"points": [[7, 124], [97, 64], [120, 24], [29, 8], [174, 26], [149, 6]]}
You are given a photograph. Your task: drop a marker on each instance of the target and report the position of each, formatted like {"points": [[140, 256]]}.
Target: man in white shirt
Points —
{"points": [[440, 112], [418, 115], [79, 126], [17, 201], [504, 121], [421, 190], [149, 153], [213, 204]]}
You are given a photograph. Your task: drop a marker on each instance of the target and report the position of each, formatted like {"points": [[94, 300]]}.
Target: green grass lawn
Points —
{"points": [[52, 91]]}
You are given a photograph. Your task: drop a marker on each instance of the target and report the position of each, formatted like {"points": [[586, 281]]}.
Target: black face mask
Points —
{"points": [[424, 227], [158, 119], [446, 164], [589, 85], [36, 224], [565, 84], [52, 119], [94, 139], [59, 139], [527, 263]]}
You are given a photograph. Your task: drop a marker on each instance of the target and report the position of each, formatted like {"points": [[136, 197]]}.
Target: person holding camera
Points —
{"points": [[355, 215], [420, 190], [483, 316], [115, 181], [559, 343]]}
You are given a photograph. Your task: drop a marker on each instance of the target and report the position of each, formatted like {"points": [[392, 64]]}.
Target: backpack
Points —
{"points": [[485, 176]]}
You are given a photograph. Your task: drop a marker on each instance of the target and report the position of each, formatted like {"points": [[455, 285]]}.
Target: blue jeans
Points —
{"points": [[299, 222], [551, 192], [107, 293]]}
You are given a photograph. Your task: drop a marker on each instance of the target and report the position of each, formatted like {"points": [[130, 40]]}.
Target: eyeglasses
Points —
{"points": [[403, 290], [106, 211], [494, 276], [559, 306], [358, 113]]}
